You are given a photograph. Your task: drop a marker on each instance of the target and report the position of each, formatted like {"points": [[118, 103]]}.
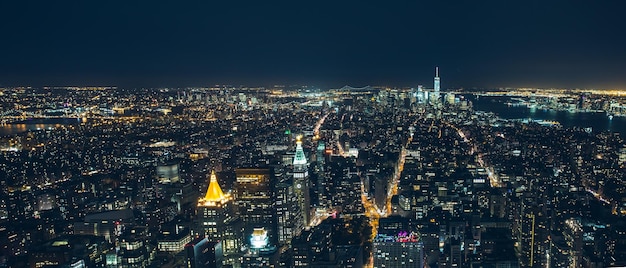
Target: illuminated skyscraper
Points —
{"points": [[217, 219], [530, 232], [435, 96], [255, 201], [437, 81], [319, 170], [288, 217], [289, 221], [301, 181]]}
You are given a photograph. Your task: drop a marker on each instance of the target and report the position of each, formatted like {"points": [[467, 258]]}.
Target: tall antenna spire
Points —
{"points": [[436, 71]]}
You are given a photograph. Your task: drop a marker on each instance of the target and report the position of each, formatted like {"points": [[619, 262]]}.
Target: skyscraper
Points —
{"points": [[204, 253], [319, 170], [437, 86], [301, 181], [217, 220], [437, 81], [288, 216], [255, 201]]}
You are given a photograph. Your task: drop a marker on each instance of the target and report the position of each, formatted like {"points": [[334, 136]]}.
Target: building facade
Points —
{"points": [[217, 219]]}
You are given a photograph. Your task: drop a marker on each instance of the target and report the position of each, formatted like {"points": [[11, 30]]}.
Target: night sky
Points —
{"points": [[483, 43]]}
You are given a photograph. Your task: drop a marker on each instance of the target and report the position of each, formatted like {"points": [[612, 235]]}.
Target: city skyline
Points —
{"points": [[240, 134], [349, 177], [488, 44]]}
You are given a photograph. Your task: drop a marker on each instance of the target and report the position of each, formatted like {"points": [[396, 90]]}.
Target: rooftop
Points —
{"points": [[214, 194]]}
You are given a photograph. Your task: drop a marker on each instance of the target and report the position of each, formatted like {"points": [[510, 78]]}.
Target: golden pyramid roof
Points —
{"points": [[214, 192]]}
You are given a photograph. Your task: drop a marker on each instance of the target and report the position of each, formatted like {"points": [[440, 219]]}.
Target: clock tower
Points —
{"points": [[301, 183]]}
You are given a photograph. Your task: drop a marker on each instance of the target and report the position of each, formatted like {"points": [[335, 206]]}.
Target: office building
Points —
{"points": [[70, 251], [173, 239], [216, 218], [401, 250], [167, 173], [255, 202], [202, 253]]}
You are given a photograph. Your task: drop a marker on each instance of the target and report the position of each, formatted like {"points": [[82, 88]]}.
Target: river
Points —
{"points": [[36, 124], [596, 121]]}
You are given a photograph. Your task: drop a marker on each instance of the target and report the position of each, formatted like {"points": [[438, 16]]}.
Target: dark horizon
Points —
{"points": [[491, 44]]}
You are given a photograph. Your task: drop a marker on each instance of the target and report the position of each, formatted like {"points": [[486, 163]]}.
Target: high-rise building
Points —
{"points": [[287, 213], [342, 184], [311, 246], [574, 237], [288, 216], [530, 232], [168, 173], [437, 81], [318, 246], [255, 202], [204, 253], [301, 181], [260, 252], [436, 88], [173, 238], [397, 244], [133, 249], [401, 250], [217, 219], [319, 170]]}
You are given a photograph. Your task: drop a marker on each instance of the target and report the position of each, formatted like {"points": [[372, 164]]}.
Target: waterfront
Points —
{"points": [[496, 104], [597, 121], [36, 124]]}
